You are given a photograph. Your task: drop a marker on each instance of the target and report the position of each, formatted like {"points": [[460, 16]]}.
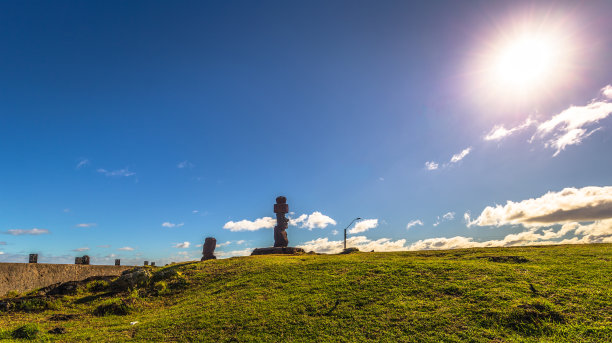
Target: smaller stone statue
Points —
{"points": [[33, 258], [117, 262], [208, 251], [82, 260]]}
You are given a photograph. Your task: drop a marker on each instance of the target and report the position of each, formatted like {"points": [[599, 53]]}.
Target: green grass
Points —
{"points": [[470, 295]]}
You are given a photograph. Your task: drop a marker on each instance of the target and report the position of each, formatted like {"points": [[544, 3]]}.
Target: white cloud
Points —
{"points": [[335, 232], [66, 210], [247, 225], [324, 245], [607, 91], [414, 223], [171, 225], [569, 205], [243, 252], [34, 231], [596, 232], [431, 165], [448, 216], [459, 156], [364, 225], [381, 179], [82, 163], [499, 131], [86, 225], [80, 249], [1, 252], [185, 164], [183, 245], [224, 244], [315, 220], [117, 173], [574, 124], [195, 211], [126, 249]]}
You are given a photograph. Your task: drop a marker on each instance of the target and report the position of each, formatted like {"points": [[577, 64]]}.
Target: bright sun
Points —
{"points": [[527, 62]]}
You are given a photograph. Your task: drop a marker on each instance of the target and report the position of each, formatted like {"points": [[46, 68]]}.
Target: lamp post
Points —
{"points": [[349, 225]]}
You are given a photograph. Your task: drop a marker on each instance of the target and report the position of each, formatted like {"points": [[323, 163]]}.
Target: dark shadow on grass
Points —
{"points": [[91, 298]]}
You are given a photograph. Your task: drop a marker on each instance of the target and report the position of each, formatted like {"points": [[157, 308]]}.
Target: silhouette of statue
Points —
{"points": [[208, 250], [280, 235]]}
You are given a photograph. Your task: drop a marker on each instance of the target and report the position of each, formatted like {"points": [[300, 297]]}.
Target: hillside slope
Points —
{"points": [[550, 293]]}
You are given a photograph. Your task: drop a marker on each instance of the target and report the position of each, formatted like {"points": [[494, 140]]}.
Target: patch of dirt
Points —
{"points": [[57, 330], [505, 259], [60, 317]]}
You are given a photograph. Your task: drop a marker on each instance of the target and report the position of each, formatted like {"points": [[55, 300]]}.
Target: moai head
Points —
{"points": [[146, 263], [78, 260], [85, 260], [281, 205], [33, 258], [152, 264], [117, 262]]}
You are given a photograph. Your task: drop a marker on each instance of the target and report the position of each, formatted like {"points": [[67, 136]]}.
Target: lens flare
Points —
{"points": [[527, 62]]}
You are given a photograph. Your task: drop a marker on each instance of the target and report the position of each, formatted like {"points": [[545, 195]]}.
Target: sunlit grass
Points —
{"points": [[432, 296]]}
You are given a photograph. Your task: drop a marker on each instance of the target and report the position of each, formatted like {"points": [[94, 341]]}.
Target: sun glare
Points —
{"points": [[527, 62]]}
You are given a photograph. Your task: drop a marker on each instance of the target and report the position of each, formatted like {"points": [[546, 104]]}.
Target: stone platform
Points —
{"points": [[278, 250]]}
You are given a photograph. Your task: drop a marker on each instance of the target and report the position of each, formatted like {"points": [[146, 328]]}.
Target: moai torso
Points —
{"points": [[280, 235]]}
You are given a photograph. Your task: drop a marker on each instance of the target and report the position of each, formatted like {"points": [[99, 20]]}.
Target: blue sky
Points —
{"points": [[133, 130]]}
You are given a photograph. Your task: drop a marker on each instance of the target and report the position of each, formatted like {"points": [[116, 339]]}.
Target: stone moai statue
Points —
{"points": [[280, 235], [33, 258], [78, 260], [85, 260], [146, 263], [208, 250], [152, 264], [117, 262]]}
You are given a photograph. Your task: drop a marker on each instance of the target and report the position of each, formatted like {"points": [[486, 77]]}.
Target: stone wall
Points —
{"points": [[22, 277]]}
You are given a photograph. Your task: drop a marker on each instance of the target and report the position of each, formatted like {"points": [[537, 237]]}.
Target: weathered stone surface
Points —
{"points": [[146, 263], [208, 250], [23, 277], [82, 260], [33, 258], [152, 264], [278, 250], [117, 262], [280, 235], [131, 279]]}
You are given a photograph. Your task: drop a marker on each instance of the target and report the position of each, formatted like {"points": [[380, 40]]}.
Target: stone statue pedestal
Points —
{"points": [[278, 251]]}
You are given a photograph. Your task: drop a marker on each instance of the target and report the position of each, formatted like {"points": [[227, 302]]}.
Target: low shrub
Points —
{"points": [[28, 331], [109, 307], [34, 305], [97, 285]]}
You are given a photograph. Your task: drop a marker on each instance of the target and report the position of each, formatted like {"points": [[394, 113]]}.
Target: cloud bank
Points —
{"points": [[324, 245], [569, 205]]}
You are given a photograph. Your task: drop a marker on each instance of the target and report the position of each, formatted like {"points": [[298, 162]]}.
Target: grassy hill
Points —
{"points": [[550, 293]]}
